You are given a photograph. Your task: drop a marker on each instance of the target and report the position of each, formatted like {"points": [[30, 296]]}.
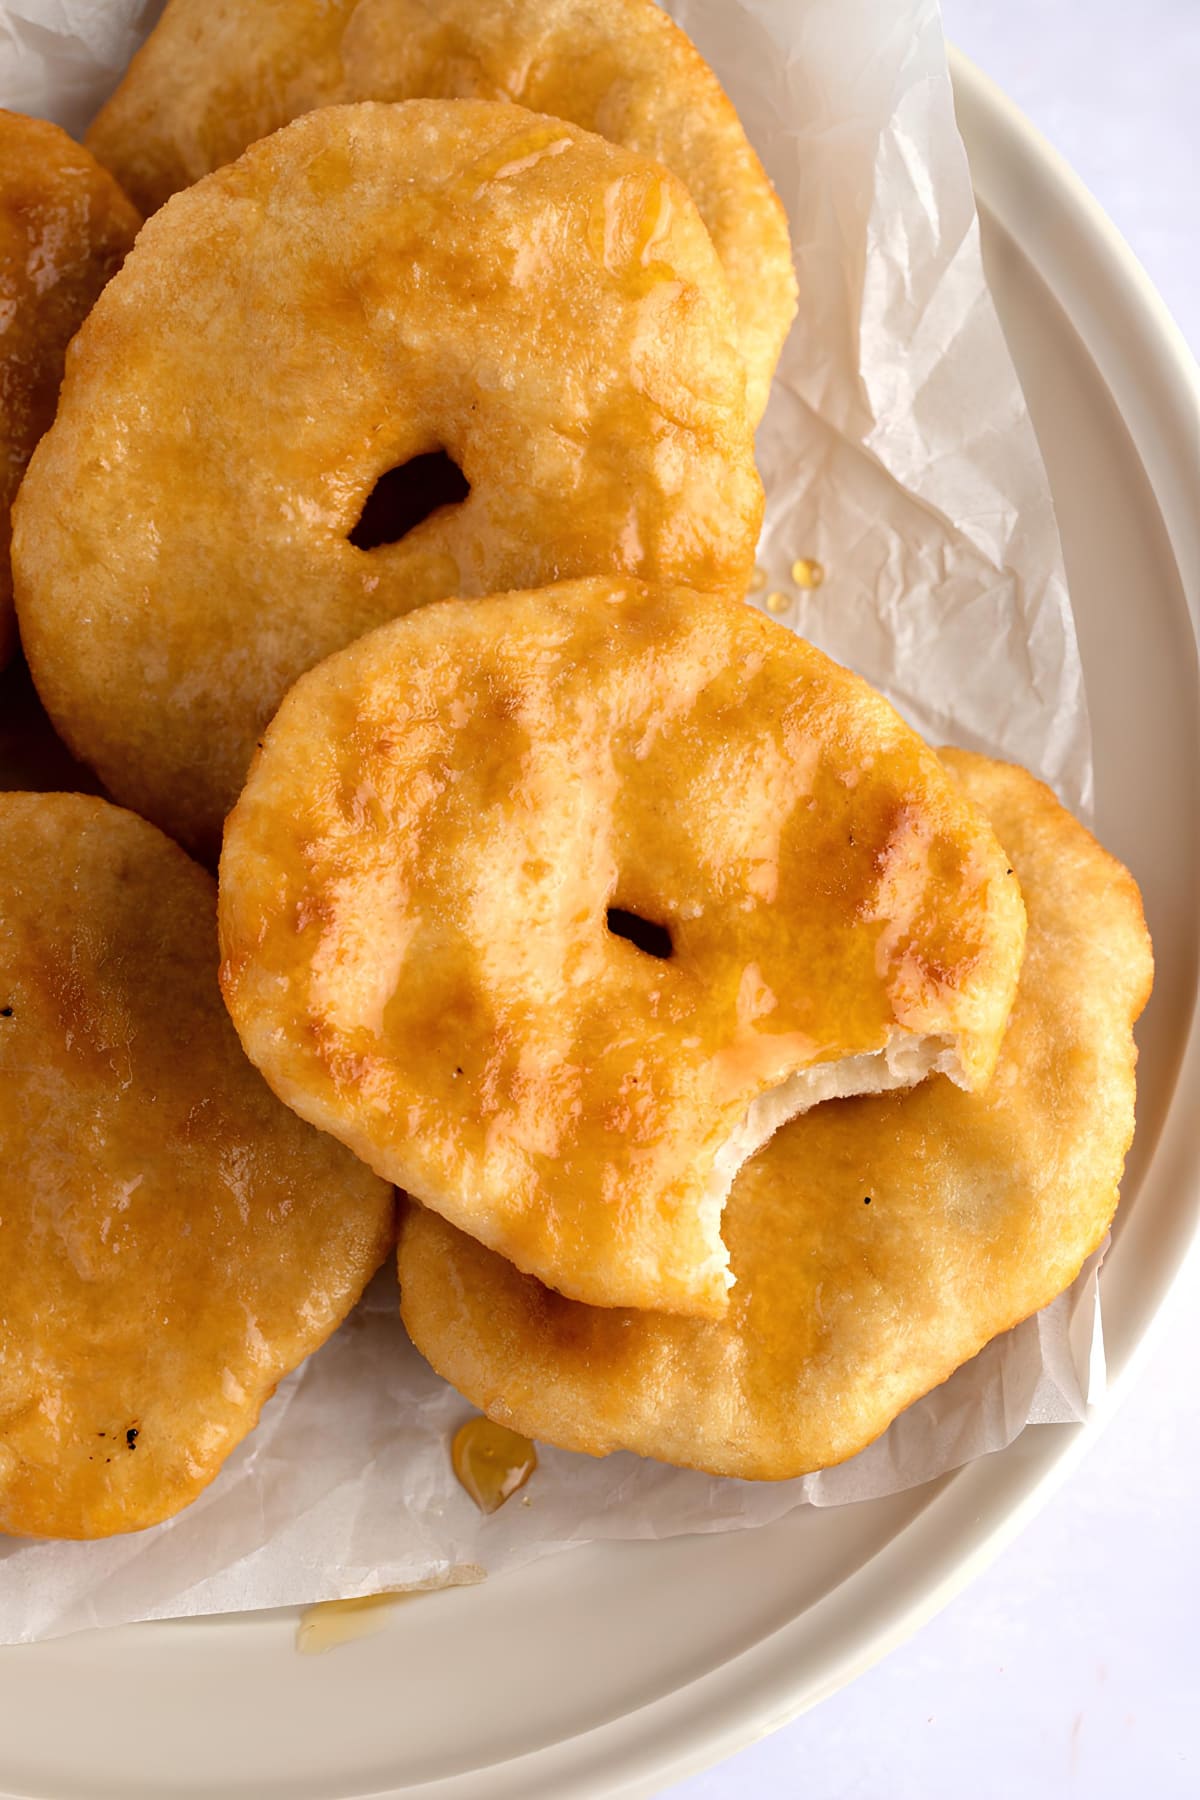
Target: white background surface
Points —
{"points": [[1073, 1665]]}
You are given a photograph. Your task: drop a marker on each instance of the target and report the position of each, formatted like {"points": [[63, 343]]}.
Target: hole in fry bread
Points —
{"points": [[655, 940], [404, 497]]}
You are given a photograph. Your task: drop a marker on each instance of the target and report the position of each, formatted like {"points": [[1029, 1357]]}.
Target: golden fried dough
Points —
{"points": [[211, 79], [878, 1243], [368, 286], [172, 1240], [429, 884], [65, 226]]}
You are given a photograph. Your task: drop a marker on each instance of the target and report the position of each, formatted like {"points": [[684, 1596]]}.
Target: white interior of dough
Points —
{"points": [[903, 1061]]}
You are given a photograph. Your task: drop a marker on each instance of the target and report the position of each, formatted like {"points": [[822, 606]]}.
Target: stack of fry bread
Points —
{"points": [[460, 869]]}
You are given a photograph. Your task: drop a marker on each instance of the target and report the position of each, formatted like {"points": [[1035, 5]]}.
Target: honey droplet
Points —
{"points": [[806, 573], [333, 1622], [757, 581], [777, 603], [491, 1462]]}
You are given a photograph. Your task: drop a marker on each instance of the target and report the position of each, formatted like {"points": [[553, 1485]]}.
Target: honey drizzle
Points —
{"points": [[627, 223], [491, 1462], [514, 156], [332, 1622]]}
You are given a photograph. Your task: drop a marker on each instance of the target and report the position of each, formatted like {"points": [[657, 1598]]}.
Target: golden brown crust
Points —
{"points": [[982, 1207], [302, 321], [414, 890], [172, 1240], [65, 226], [213, 77]]}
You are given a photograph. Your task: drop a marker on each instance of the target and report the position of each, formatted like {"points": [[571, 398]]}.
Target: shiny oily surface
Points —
{"points": [[331, 1623], [491, 1462], [172, 1239], [428, 883], [65, 227], [541, 305], [878, 1242], [211, 79]]}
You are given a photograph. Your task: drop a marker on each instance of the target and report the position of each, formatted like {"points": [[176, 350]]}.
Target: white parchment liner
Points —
{"points": [[897, 451]]}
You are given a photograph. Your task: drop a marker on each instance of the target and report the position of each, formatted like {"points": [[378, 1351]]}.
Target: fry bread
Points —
{"points": [[434, 886], [878, 1243], [172, 1239]]}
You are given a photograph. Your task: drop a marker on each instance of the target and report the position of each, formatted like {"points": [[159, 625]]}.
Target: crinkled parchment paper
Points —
{"points": [[898, 452]]}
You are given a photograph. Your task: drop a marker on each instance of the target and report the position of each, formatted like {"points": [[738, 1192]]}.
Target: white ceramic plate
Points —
{"points": [[614, 1670]]}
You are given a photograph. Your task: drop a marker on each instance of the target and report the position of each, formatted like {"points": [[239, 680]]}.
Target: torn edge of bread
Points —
{"points": [[904, 1060]]}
